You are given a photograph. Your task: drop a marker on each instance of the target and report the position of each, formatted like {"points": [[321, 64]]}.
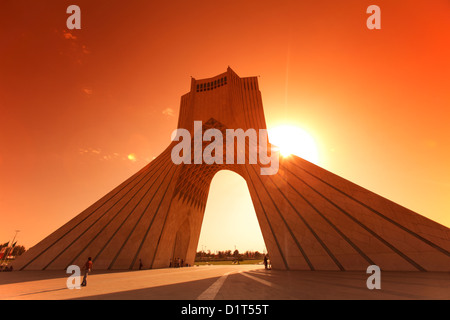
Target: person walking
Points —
{"points": [[265, 262], [87, 268]]}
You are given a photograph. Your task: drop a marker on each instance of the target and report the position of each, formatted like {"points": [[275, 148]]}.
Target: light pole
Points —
{"points": [[12, 242], [17, 231]]}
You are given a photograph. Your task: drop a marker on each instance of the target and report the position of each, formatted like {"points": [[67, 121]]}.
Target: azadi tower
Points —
{"points": [[310, 219]]}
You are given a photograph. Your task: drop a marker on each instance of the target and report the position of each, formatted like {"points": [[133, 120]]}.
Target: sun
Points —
{"points": [[294, 140]]}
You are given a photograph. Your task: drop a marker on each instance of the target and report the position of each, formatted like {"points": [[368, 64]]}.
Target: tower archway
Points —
{"points": [[230, 219]]}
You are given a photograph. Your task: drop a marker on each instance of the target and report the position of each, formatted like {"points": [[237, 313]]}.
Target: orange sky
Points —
{"points": [[74, 105]]}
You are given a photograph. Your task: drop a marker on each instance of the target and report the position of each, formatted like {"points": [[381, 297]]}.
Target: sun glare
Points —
{"points": [[294, 140]]}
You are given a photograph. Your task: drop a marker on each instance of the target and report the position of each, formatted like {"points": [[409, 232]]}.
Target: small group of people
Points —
{"points": [[176, 263], [6, 269], [267, 263]]}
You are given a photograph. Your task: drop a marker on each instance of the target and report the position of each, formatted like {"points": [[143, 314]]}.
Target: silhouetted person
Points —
{"points": [[87, 268], [265, 262]]}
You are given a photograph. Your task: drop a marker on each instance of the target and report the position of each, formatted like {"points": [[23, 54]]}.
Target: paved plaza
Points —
{"points": [[234, 282]]}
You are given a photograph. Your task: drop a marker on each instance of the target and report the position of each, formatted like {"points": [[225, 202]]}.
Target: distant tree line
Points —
{"points": [[228, 255], [17, 250]]}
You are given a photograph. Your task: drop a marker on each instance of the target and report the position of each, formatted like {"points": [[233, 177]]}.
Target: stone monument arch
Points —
{"points": [[310, 218]]}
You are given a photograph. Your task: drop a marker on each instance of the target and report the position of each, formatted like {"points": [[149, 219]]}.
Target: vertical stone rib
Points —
{"points": [[151, 223], [338, 231], [109, 197], [138, 221], [272, 231], [125, 219], [285, 223], [362, 225], [315, 235], [430, 243]]}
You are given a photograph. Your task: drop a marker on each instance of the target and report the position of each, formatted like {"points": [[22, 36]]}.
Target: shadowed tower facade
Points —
{"points": [[310, 218]]}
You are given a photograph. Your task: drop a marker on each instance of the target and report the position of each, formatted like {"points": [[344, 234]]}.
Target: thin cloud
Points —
{"points": [[68, 35], [85, 49], [89, 151], [104, 156], [88, 91], [168, 112]]}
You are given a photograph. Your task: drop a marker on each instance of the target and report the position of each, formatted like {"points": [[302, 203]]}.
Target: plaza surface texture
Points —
{"points": [[243, 282]]}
